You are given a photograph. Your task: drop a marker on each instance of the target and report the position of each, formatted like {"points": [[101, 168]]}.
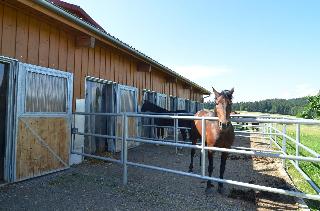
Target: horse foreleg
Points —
{"points": [[193, 151], [224, 156], [210, 168]]}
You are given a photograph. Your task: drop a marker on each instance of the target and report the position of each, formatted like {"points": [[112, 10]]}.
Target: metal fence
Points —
{"points": [[267, 131]]}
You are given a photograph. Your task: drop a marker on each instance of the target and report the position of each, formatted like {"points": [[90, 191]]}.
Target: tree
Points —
{"points": [[312, 110]]}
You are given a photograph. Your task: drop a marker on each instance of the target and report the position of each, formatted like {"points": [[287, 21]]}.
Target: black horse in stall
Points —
{"points": [[150, 107]]}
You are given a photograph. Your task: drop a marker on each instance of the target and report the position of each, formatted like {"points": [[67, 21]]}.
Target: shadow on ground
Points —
{"points": [[98, 185]]}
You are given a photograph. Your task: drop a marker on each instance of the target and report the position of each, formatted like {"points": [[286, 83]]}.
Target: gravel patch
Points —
{"points": [[95, 185]]}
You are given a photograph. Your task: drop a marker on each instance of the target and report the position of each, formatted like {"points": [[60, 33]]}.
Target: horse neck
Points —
{"points": [[215, 114], [154, 108]]}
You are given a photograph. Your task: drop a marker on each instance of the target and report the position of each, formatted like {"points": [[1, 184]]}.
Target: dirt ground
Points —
{"points": [[96, 185]]}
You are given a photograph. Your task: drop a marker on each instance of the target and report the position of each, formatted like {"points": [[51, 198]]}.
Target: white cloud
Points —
{"points": [[205, 76], [198, 73], [300, 90]]}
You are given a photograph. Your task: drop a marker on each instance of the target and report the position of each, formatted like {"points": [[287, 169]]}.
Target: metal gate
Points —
{"points": [[7, 129], [44, 111]]}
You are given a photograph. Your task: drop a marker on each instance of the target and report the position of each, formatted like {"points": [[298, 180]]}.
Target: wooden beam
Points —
{"points": [[171, 79], [85, 41], [186, 86], [143, 67]]}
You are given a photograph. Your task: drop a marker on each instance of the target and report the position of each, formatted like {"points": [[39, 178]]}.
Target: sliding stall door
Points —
{"points": [[100, 98], [43, 121], [4, 80], [127, 101], [7, 126]]}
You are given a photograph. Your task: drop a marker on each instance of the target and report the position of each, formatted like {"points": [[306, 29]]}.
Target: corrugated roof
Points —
{"points": [[80, 14]]}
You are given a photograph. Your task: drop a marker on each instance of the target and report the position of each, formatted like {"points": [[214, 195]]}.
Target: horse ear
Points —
{"points": [[231, 91], [217, 94]]}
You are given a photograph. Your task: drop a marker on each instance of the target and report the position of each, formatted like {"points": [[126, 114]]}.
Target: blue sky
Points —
{"points": [[264, 49]]}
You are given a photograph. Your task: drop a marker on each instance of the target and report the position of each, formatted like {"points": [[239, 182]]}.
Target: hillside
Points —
{"points": [[274, 106]]}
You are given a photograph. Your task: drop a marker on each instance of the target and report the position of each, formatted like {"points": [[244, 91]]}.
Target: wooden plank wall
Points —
{"points": [[33, 159], [46, 43]]}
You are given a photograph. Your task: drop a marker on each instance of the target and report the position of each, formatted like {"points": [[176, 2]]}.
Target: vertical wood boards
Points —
{"points": [[33, 158], [102, 63], [77, 73], [33, 41], [109, 75], [91, 71], [44, 45], [21, 51], [9, 31], [97, 61], [84, 71], [54, 48], [63, 50], [1, 26], [40, 41], [70, 54]]}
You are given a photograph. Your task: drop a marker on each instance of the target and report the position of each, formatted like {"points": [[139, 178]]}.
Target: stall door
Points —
{"points": [[7, 126], [4, 79], [162, 100], [181, 105], [173, 103], [193, 107], [4, 86], [100, 98], [44, 112], [127, 101], [146, 130]]}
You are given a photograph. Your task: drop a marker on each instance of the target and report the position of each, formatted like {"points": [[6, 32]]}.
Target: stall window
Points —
{"points": [[45, 93]]}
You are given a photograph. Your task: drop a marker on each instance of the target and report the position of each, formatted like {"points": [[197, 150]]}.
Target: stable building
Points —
{"points": [[53, 56]]}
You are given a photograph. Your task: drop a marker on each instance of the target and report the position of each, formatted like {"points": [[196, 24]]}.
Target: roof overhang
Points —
{"points": [[65, 14]]}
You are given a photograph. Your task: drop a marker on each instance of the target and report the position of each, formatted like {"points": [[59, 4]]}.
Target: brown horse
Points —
{"points": [[218, 133]]}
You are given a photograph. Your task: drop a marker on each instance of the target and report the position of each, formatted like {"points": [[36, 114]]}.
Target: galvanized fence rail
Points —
{"points": [[268, 131]]}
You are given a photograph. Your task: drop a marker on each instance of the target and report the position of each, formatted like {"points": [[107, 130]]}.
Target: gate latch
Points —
{"points": [[74, 130]]}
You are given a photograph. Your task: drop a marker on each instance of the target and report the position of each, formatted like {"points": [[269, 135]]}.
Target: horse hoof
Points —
{"points": [[209, 191], [190, 171], [221, 190]]}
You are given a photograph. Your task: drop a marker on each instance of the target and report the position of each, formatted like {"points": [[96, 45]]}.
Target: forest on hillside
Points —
{"points": [[293, 107]]}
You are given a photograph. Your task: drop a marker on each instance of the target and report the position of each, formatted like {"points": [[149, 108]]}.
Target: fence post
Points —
{"points": [[284, 144], [264, 132], [297, 141], [175, 134], [203, 142], [270, 135], [125, 148], [275, 133]]}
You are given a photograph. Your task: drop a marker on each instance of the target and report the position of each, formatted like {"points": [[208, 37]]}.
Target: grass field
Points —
{"points": [[310, 137]]}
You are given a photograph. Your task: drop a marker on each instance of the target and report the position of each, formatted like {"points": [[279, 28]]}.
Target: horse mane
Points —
{"points": [[148, 106], [226, 94]]}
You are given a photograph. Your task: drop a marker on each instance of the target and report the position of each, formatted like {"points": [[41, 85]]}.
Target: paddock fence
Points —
{"points": [[263, 127]]}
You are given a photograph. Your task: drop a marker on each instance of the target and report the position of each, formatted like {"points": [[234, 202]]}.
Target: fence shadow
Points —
{"points": [[244, 168]]}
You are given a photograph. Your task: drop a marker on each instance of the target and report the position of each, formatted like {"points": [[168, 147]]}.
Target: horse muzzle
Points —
{"points": [[223, 126]]}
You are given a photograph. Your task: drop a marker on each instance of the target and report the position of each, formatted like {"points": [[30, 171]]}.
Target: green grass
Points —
{"points": [[310, 137]]}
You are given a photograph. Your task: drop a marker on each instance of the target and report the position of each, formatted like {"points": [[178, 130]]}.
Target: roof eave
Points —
{"points": [[117, 42]]}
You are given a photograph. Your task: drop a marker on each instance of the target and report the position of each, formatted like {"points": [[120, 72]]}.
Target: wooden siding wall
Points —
{"points": [[47, 43]]}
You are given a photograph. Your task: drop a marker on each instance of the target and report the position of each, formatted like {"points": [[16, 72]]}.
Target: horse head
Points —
{"points": [[146, 106], [223, 102]]}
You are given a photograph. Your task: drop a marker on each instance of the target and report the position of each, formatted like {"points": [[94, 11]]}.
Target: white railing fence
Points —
{"points": [[267, 131]]}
